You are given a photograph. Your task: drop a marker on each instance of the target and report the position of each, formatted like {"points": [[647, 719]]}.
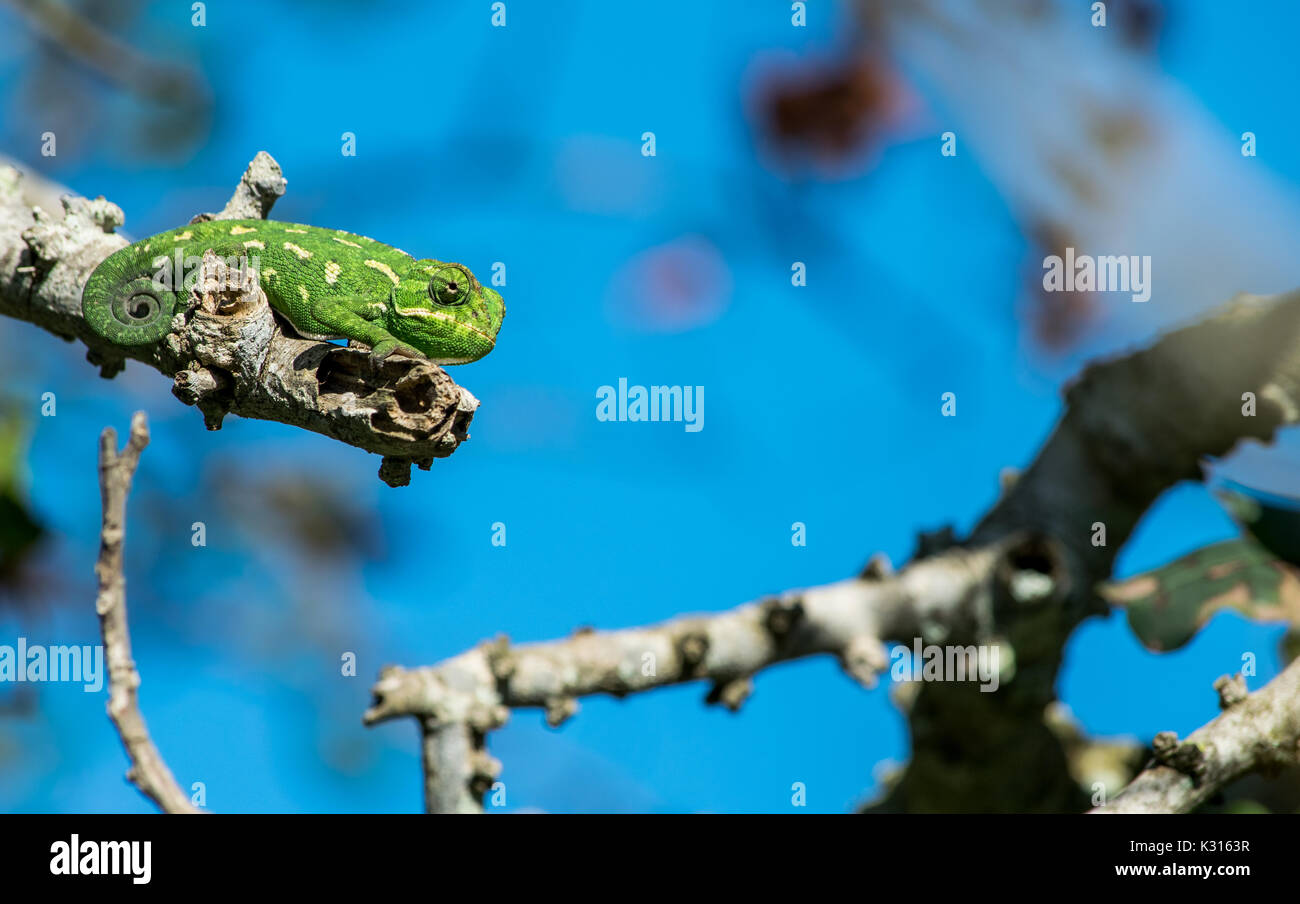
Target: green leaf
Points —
{"points": [[1166, 607]]}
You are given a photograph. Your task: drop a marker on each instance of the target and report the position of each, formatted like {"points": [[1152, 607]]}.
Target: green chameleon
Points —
{"points": [[328, 283]]}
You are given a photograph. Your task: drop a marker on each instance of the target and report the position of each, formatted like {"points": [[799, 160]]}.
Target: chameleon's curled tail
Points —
{"points": [[124, 304]]}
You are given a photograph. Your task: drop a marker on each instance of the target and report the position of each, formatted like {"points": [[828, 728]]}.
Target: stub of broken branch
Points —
{"points": [[231, 355]]}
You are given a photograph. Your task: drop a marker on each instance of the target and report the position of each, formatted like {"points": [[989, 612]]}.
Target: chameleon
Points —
{"points": [[328, 283]]}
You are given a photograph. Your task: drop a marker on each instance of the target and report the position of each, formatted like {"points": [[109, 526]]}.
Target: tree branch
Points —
{"points": [[148, 771], [1133, 427], [1256, 732], [230, 355], [461, 700]]}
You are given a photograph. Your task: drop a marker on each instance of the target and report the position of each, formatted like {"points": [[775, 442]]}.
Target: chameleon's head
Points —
{"points": [[450, 316]]}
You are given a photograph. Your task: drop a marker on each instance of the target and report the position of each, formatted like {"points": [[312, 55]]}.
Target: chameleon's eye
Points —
{"points": [[450, 285]]}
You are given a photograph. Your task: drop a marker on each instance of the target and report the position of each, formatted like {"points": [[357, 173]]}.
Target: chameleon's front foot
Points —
{"points": [[380, 351]]}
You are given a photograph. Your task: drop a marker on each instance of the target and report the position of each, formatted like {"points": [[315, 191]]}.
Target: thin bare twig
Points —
{"points": [[148, 771]]}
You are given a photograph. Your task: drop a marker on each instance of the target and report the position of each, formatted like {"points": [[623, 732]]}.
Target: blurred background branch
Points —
{"points": [[117, 61], [1027, 576], [148, 770], [156, 106]]}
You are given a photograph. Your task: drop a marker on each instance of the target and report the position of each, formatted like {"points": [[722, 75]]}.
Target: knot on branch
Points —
{"points": [[1232, 690], [863, 659], [484, 769], [781, 615], [692, 647], [499, 659], [559, 710], [878, 568], [1187, 757], [731, 693]]}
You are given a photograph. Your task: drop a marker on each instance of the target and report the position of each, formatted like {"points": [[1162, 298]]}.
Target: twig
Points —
{"points": [[148, 771], [1258, 732]]}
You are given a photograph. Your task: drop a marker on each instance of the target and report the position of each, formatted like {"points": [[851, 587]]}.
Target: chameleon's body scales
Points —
{"points": [[328, 283]]}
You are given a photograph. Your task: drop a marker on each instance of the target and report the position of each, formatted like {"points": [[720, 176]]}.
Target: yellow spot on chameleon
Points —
{"points": [[183, 237], [299, 231], [241, 230], [254, 243], [160, 260], [332, 271], [303, 253], [148, 246], [427, 314], [302, 290], [269, 272], [345, 242], [386, 270]]}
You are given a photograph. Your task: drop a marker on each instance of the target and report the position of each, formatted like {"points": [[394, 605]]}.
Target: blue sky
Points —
{"points": [[522, 145]]}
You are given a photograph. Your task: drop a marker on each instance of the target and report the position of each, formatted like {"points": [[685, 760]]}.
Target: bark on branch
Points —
{"points": [[462, 699], [234, 357]]}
